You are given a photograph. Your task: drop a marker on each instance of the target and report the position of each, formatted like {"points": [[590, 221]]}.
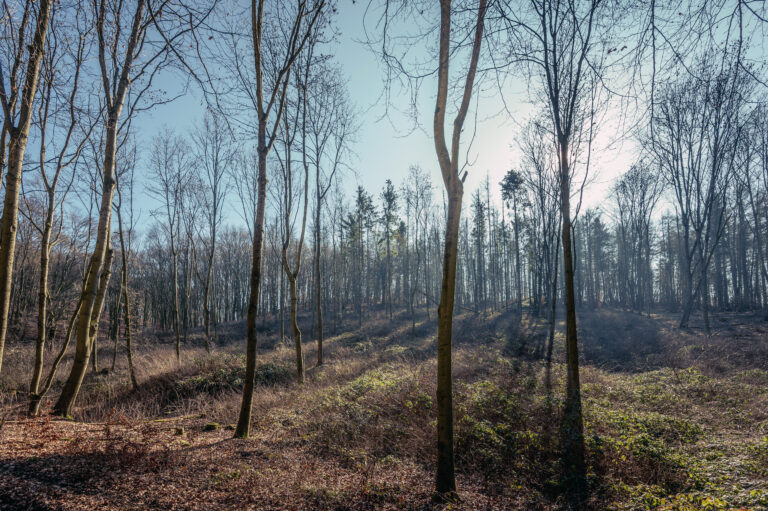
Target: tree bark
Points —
{"points": [[445, 480], [42, 304], [244, 419], [35, 400], [18, 137], [127, 308], [318, 280], [89, 292], [176, 317], [573, 430]]}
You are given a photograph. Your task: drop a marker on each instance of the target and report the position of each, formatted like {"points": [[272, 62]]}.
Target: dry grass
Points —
{"points": [[671, 422]]}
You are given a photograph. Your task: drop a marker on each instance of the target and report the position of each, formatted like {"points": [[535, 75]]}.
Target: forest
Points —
{"points": [[384, 254]]}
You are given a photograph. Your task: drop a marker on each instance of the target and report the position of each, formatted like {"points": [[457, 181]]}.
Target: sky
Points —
{"points": [[387, 146]]}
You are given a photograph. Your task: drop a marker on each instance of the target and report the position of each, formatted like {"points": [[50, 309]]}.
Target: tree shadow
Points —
{"points": [[618, 340]]}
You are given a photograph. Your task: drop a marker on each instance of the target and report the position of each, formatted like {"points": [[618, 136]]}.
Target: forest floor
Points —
{"points": [[674, 420]]}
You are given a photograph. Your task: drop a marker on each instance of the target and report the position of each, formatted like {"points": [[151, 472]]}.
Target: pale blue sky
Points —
{"points": [[386, 147]]}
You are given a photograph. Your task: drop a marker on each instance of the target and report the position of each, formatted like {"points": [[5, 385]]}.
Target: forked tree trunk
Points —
{"points": [[293, 274], [445, 480], [35, 400], [264, 146], [96, 266], [18, 136], [90, 292]]}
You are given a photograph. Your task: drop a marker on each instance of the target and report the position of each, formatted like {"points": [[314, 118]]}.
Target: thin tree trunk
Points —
{"points": [[573, 431], [296, 331], [318, 287], [176, 317], [517, 264], [34, 404], [244, 418], [206, 306], [446, 479], [552, 319], [126, 296], [116, 331], [42, 310]]}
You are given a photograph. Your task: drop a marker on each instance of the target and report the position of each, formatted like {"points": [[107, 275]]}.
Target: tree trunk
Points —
{"points": [[446, 479], [318, 288], [127, 308], [176, 318], [99, 306], [206, 306], [18, 137], [517, 263], [116, 331], [552, 319], [244, 419], [573, 431], [128, 335], [90, 290], [296, 331], [42, 311], [34, 404]]}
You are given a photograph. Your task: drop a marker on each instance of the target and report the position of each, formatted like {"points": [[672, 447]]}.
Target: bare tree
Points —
{"points": [[470, 20], [560, 41], [64, 97], [214, 156], [128, 60], [268, 101], [697, 124], [636, 193], [389, 208], [330, 128], [295, 123], [126, 175], [169, 169], [17, 96]]}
